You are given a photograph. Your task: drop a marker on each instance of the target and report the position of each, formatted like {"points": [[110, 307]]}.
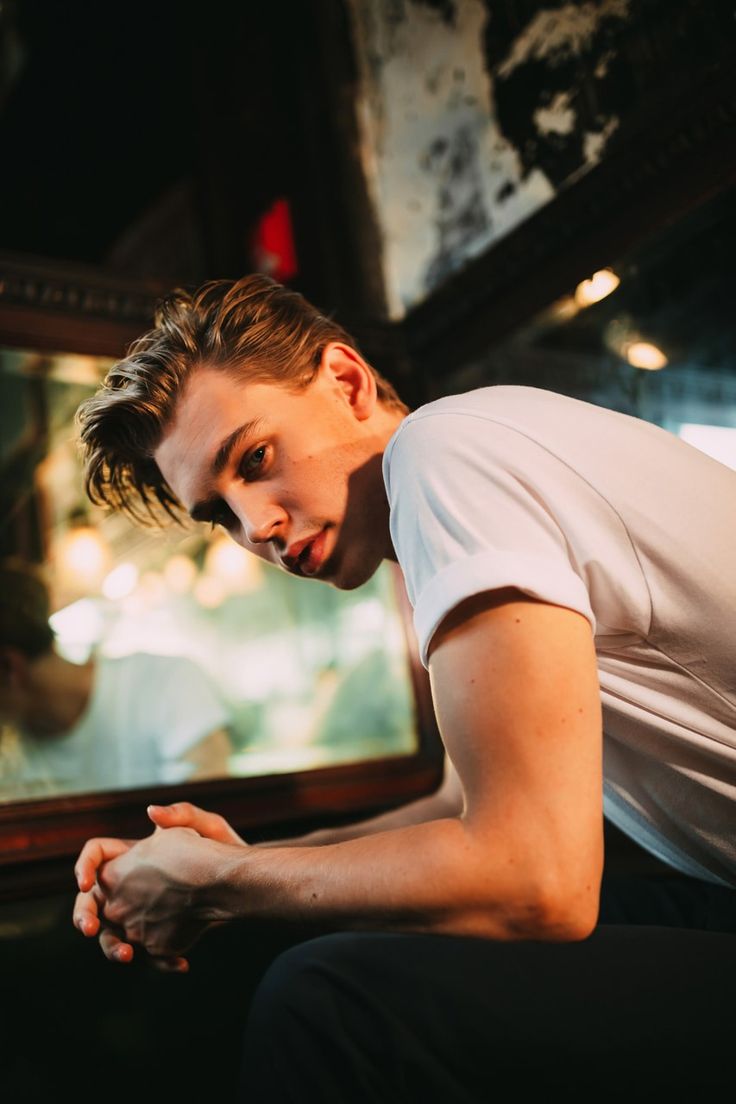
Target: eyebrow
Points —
{"points": [[202, 509]]}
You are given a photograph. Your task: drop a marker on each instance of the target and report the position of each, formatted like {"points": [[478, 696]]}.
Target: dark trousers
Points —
{"points": [[643, 1006]]}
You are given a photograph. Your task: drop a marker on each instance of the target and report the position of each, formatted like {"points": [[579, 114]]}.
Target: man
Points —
{"points": [[571, 570], [110, 723]]}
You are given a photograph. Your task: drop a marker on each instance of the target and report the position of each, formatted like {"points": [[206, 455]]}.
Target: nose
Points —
{"points": [[260, 533], [261, 520]]}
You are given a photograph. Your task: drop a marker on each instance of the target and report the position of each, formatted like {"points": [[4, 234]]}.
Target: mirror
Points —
{"points": [[172, 654]]}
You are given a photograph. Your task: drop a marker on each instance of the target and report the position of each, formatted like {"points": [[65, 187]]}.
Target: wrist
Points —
{"points": [[223, 896]]}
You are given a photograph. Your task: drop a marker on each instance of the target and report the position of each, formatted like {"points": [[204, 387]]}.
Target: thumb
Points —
{"points": [[185, 815]]}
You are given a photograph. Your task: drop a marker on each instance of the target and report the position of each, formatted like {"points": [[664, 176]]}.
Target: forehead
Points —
{"points": [[212, 405]]}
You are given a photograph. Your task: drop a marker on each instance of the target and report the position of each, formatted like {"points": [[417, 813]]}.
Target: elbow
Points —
{"points": [[559, 914], [569, 914], [568, 925], [532, 916]]}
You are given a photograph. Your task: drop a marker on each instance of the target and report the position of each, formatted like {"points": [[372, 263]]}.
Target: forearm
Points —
{"points": [[431, 877], [432, 807]]}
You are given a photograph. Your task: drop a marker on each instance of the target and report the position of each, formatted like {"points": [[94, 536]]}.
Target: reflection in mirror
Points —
{"points": [[649, 334], [134, 657]]}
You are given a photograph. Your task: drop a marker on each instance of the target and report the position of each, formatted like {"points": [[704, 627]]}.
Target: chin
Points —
{"points": [[353, 576]]}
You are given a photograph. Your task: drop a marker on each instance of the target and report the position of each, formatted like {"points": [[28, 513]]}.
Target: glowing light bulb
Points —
{"points": [[83, 558], [642, 354], [601, 284]]}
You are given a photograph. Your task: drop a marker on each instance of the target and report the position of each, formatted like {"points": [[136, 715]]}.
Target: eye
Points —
{"points": [[252, 462], [222, 515]]}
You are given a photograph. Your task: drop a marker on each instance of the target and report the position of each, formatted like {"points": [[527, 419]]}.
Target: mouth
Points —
{"points": [[310, 556]]}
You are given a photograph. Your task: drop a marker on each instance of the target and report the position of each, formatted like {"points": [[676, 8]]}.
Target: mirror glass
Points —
{"points": [[133, 657]]}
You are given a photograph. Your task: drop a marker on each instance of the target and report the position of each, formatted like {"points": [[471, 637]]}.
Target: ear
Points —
{"points": [[343, 367]]}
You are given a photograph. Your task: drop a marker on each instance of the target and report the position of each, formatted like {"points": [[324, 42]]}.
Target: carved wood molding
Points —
{"points": [[53, 306], [46, 836]]}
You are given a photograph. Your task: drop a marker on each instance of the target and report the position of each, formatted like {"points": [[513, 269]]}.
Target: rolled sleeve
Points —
{"points": [[464, 578]]}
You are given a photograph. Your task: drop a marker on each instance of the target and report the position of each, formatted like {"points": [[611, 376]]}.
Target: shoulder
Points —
{"points": [[151, 668], [455, 432], [511, 405]]}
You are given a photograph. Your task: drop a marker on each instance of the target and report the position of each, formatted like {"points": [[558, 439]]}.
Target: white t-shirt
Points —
{"points": [[145, 711], [621, 520]]}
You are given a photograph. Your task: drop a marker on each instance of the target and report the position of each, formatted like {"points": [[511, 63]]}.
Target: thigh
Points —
{"points": [[404, 1017]]}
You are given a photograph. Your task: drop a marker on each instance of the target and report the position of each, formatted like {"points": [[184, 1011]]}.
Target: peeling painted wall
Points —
{"points": [[472, 117]]}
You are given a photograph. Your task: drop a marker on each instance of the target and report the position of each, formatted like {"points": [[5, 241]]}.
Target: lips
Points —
{"points": [[302, 555], [293, 553], [315, 551], [305, 556]]}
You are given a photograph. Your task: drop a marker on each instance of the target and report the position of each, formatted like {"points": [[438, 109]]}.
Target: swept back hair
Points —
{"points": [[253, 328]]}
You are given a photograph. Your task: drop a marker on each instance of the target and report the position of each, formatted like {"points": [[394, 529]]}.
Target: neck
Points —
{"points": [[389, 421]]}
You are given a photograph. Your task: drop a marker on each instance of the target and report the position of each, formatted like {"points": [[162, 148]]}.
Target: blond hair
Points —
{"points": [[253, 328]]}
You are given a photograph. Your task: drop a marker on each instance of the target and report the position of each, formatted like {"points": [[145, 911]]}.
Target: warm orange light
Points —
{"points": [[82, 558], [564, 309], [601, 284], [642, 354]]}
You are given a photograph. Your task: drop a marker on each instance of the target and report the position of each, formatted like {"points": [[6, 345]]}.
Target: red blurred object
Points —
{"points": [[272, 243]]}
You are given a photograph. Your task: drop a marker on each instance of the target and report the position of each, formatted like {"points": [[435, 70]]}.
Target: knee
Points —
{"points": [[301, 985]]}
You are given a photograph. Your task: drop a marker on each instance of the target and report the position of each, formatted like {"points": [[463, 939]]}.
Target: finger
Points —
{"points": [[94, 853], [86, 913], [175, 965], [114, 946], [185, 815]]}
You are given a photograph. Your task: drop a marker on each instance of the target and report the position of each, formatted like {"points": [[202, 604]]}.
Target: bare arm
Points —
{"points": [[517, 698], [447, 801]]}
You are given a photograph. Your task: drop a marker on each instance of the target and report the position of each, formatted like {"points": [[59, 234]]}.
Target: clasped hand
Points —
{"points": [[153, 892]]}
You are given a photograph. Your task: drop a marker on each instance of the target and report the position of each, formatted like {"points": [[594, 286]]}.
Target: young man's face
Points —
{"points": [[294, 477]]}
